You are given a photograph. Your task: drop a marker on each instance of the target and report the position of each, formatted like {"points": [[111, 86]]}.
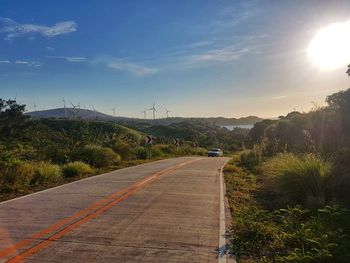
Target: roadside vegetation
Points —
{"points": [[40, 153], [289, 189]]}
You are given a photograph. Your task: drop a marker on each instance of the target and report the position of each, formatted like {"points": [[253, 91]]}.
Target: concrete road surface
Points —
{"points": [[165, 211]]}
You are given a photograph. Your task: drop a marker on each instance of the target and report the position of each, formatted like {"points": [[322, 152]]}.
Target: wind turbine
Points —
{"points": [[113, 109], [94, 111], [35, 107], [167, 112], [65, 107], [154, 110], [75, 109], [144, 113]]}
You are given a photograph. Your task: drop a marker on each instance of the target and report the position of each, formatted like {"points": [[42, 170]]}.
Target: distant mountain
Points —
{"points": [[95, 115]]}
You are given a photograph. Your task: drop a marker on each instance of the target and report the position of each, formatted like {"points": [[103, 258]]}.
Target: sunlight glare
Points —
{"points": [[330, 47]]}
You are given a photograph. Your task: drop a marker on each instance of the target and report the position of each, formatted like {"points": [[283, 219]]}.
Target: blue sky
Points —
{"points": [[197, 58]]}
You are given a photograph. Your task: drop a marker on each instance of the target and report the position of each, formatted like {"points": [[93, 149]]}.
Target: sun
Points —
{"points": [[330, 47]]}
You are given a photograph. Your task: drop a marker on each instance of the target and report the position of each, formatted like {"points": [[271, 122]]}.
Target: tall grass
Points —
{"points": [[304, 179], [76, 169], [46, 173], [16, 176]]}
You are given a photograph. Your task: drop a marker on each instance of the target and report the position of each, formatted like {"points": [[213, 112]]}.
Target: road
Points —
{"points": [[164, 211]]}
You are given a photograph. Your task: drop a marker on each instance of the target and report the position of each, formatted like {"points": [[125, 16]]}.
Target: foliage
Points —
{"points": [[204, 134], [305, 179], [16, 176], [291, 234], [76, 169], [46, 173], [99, 156]]}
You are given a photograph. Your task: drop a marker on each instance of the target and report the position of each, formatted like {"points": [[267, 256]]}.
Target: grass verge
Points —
{"points": [[262, 233]]}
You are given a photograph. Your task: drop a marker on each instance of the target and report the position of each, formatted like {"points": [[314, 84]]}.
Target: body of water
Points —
{"points": [[231, 127]]}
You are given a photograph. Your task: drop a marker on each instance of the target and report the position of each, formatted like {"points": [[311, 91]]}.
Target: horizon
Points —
{"points": [[149, 117], [198, 58]]}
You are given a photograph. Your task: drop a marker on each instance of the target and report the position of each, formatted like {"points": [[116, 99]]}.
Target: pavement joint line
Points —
{"points": [[212, 248], [125, 193]]}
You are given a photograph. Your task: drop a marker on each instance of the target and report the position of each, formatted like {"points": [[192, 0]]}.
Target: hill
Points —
{"points": [[85, 114]]}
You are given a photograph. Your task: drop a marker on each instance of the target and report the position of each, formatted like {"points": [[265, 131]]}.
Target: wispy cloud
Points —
{"points": [[123, 65], [12, 29], [236, 14], [200, 44], [279, 97], [4, 61], [219, 55], [70, 59], [34, 64]]}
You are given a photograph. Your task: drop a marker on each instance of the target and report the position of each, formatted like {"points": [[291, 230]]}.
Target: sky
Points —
{"points": [[197, 58]]}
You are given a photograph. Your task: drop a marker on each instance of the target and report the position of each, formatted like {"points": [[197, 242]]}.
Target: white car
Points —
{"points": [[215, 152]]}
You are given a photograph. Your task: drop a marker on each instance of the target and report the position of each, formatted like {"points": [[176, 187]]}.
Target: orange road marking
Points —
{"points": [[100, 207]]}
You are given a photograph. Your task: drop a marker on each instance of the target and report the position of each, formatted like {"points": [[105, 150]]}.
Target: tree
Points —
{"points": [[13, 122]]}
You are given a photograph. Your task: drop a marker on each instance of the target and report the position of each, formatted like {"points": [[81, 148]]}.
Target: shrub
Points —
{"points": [[76, 169], [305, 179], [141, 153], [16, 176], [99, 156], [248, 160], [57, 154], [124, 149], [155, 152], [46, 173]]}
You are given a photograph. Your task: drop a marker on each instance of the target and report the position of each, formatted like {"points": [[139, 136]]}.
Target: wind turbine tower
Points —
{"points": [[154, 110], [94, 111], [65, 107], [35, 107], [167, 113], [74, 110], [144, 113]]}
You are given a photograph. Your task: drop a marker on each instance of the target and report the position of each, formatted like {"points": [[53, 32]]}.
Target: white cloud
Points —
{"points": [[13, 29], [131, 68], [4, 62], [33, 64], [200, 44], [122, 65], [23, 62], [225, 54], [70, 59]]}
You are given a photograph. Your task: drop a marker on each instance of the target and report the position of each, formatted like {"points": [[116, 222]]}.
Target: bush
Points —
{"points": [[141, 153], [305, 179], [76, 169], [248, 160], [16, 176], [46, 173], [57, 154], [155, 152], [124, 149], [98, 156]]}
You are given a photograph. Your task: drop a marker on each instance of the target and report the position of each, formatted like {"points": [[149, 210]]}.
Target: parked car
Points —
{"points": [[215, 152]]}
